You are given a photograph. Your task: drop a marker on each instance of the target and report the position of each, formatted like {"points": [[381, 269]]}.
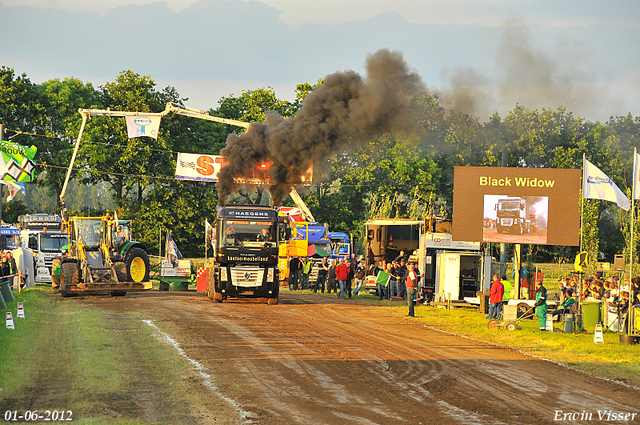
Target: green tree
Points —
{"points": [[108, 155], [253, 105], [62, 99], [21, 107]]}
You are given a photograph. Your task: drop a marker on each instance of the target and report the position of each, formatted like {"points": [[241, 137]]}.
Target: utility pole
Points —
{"points": [[503, 246]]}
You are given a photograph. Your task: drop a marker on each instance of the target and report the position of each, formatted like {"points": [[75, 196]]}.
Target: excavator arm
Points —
{"points": [[171, 107]]}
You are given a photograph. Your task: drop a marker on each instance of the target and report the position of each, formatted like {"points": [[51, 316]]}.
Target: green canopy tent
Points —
{"points": [[316, 251]]}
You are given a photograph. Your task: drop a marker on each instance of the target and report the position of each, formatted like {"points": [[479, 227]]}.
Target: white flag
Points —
{"points": [[597, 185], [173, 253], [143, 125], [636, 175], [208, 232], [14, 188]]}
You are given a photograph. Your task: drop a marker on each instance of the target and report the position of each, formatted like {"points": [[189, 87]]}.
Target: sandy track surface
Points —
{"points": [[320, 360]]}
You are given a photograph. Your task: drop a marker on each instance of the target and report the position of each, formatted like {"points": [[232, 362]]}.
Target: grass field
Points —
{"points": [[611, 360]]}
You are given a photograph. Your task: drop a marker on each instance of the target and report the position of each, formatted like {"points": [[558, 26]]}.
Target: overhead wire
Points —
{"points": [[147, 176]]}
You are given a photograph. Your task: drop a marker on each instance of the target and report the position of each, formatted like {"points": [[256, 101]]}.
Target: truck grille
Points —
{"points": [[506, 222], [247, 276]]}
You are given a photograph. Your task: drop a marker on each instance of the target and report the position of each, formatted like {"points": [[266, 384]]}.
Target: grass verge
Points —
{"points": [[102, 367]]}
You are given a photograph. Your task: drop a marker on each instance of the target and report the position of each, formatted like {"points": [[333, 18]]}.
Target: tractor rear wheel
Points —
{"points": [[137, 265]]}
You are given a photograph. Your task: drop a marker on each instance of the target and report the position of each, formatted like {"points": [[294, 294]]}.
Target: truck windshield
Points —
{"points": [[236, 233], [11, 242], [52, 243], [509, 206], [339, 246]]}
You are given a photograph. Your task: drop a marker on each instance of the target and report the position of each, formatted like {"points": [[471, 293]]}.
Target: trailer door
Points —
{"points": [[448, 275]]}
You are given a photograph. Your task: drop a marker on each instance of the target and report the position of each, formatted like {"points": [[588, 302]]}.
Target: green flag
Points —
{"points": [[16, 162], [383, 278]]}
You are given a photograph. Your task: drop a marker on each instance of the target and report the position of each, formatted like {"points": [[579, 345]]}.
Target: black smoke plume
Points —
{"points": [[344, 111]]}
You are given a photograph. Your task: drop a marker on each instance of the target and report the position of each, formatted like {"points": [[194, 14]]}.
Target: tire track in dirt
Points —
{"points": [[316, 359]]}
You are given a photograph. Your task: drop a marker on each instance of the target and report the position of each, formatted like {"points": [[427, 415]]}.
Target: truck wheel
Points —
{"points": [[272, 301], [70, 275], [217, 296], [137, 265], [55, 280]]}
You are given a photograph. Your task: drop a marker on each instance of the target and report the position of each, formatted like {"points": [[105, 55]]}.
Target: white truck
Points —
{"points": [[42, 234]]}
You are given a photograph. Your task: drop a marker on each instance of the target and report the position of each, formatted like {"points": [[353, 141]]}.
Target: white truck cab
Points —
{"points": [[42, 234]]}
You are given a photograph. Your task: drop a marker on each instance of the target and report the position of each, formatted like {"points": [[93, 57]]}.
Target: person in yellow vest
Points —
{"points": [[306, 271], [507, 289]]}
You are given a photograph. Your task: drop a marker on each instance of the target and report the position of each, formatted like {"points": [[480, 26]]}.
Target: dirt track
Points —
{"points": [[320, 360], [535, 238]]}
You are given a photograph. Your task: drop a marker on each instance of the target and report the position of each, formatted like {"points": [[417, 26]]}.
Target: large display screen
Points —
{"points": [[517, 205]]}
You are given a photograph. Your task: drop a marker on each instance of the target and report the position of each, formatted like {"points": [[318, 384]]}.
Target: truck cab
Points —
{"points": [[340, 245], [42, 234], [246, 242], [512, 216]]}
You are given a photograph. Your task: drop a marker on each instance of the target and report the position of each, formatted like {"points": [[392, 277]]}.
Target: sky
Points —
{"points": [[480, 56]]}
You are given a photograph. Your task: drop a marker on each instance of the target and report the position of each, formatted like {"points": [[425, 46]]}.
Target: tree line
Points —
{"points": [[395, 175]]}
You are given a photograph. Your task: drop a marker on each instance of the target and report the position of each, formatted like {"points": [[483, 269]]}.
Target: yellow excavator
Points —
{"points": [[100, 258]]}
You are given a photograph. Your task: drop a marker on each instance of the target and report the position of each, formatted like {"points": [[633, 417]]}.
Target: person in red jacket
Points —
{"points": [[495, 299], [412, 283], [342, 273]]}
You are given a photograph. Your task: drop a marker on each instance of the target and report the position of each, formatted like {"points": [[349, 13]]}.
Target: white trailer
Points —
{"points": [[452, 270]]}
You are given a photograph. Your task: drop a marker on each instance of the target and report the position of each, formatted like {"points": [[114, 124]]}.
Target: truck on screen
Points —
{"points": [[512, 216]]}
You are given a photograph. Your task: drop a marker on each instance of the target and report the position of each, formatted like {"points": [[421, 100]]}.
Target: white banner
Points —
{"points": [[597, 185], [143, 125], [636, 175], [193, 166]]}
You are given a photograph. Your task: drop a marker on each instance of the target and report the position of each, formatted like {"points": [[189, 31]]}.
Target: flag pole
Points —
{"points": [[205, 241], [582, 199], [631, 247], [584, 163], [633, 197]]}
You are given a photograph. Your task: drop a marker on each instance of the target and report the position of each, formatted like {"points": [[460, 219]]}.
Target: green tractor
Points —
{"points": [[100, 258]]}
